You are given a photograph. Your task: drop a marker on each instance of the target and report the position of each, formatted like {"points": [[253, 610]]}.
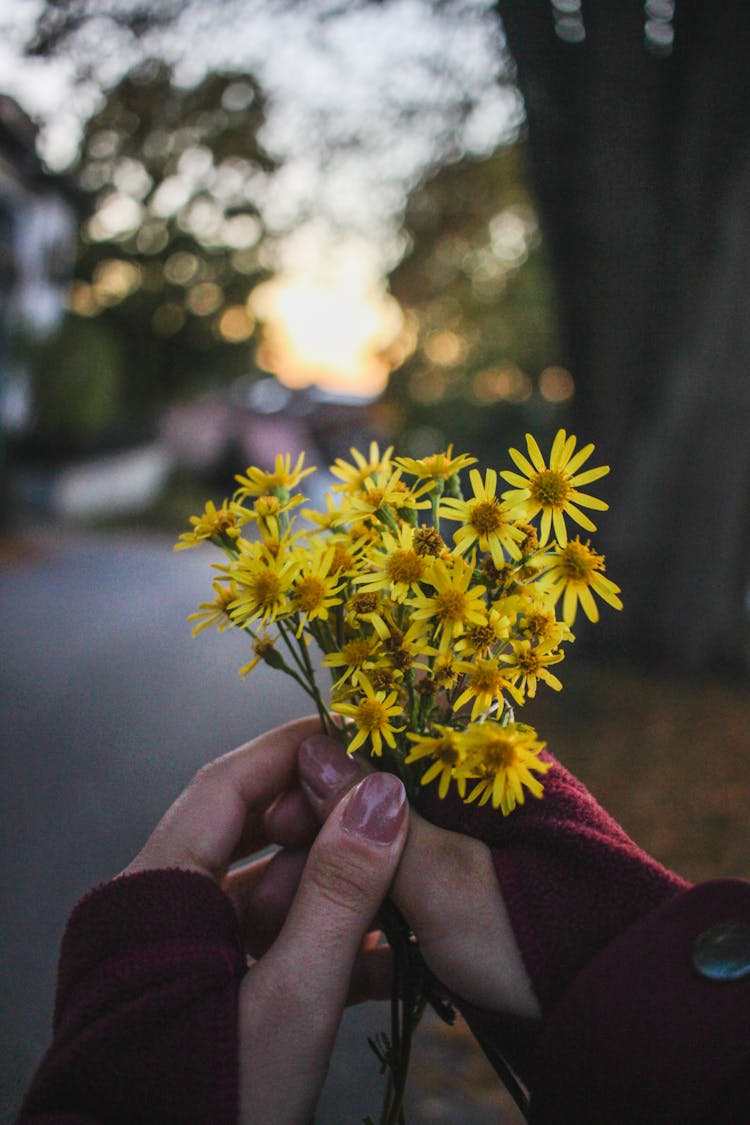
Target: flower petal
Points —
{"points": [[535, 453], [588, 501], [579, 517], [515, 478], [589, 476], [555, 456], [522, 463]]}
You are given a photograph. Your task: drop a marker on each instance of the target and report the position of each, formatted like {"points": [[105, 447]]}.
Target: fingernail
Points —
{"points": [[324, 765], [376, 808]]}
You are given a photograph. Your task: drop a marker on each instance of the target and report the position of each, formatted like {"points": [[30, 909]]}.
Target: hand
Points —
{"points": [[292, 997], [445, 887]]}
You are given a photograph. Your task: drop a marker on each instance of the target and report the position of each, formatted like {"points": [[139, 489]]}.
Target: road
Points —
{"points": [[107, 707]]}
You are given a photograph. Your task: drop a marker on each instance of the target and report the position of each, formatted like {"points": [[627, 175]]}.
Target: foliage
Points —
{"points": [[476, 281], [171, 251]]}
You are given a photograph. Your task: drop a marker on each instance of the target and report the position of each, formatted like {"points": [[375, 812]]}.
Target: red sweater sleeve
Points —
{"points": [[640, 1035], [145, 1025], [630, 1031]]}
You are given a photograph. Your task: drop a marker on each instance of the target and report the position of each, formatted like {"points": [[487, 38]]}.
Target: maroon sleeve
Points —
{"points": [[145, 1025], [629, 1032], [640, 1035]]}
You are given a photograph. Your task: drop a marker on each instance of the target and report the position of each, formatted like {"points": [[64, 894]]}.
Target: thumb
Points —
{"points": [[292, 999]]}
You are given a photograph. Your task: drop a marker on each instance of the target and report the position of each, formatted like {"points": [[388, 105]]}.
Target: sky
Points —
{"points": [[337, 89]]}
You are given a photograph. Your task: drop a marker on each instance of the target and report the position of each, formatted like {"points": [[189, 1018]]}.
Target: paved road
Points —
{"points": [[107, 707]]}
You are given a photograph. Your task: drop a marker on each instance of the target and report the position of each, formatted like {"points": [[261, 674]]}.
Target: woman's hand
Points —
{"points": [[305, 913], [445, 887]]}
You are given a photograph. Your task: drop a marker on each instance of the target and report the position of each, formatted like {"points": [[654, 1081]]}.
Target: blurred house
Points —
{"points": [[39, 216], [220, 434]]}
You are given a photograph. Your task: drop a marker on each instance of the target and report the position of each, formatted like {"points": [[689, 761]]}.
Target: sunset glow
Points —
{"points": [[340, 335]]}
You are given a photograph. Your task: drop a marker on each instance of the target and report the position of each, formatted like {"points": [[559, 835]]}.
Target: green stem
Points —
{"points": [[307, 679]]}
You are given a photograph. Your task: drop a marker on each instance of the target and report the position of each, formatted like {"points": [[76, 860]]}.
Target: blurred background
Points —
{"points": [[236, 228]]}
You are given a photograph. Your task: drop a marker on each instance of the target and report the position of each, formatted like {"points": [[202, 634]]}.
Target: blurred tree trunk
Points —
{"points": [[642, 171]]}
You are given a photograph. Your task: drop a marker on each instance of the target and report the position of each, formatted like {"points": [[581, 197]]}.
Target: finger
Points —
{"points": [[292, 999], [219, 815], [262, 894], [447, 890], [290, 821], [326, 772], [445, 887], [372, 975]]}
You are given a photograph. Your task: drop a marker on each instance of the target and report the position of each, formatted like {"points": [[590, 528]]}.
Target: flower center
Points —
{"points": [[267, 506], [550, 489], [374, 497], [428, 541], [266, 588], [450, 606], [404, 566], [342, 559], [578, 562], [356, 652], [528, 662], [540, 625], [499, 755], [485, 678], [445, 751], [486, 517], [362, 603], [309, 594], [371, 715], [482, 637]]}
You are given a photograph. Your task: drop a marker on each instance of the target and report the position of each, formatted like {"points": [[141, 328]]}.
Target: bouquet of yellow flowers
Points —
{"points": [[435, 611]]}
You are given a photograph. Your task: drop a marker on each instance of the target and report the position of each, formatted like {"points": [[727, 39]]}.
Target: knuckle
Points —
{"points": [[345, 883]]}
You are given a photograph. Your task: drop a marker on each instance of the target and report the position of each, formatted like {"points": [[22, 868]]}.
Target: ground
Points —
{"points": [[107, 706]]}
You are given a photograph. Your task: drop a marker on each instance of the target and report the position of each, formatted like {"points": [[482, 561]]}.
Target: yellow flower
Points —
{"points": [[315, 589], [529, 663], [283, 479], [447, 753], [267, 510], [553, 489], [438, 466], [217, 611], [354, 476], [429, 542], [331, 519], [264, 583], [213, 525], [357, 655], [403, 650], [263, 648], [485, 683], [372, 716], [505, 759], [575, 571], [482, 639], [366, 607], [485, 520], [398, 566], [380, 496], [538, 625], [346, 555], [454, 605]]}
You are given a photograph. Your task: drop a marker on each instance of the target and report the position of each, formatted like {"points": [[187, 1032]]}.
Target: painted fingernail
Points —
{"points": [[325, 766], [376, 809]]}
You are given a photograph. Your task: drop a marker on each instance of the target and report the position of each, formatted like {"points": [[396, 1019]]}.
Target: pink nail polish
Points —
{"points": [[325, 766], [376, 809]]}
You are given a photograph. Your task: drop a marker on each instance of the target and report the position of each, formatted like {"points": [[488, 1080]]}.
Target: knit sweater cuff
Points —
{"points": [[146, 1008]]}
